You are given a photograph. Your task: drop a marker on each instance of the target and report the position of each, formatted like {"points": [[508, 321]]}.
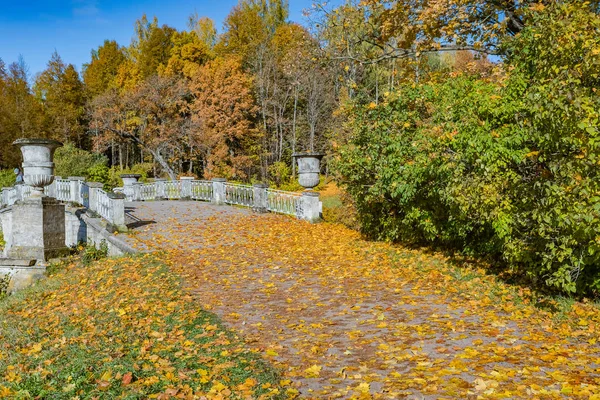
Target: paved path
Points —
{"points": [[343, 317]]}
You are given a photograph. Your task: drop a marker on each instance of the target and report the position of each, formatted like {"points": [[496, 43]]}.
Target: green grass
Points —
{"points": [[121, 328], [331, 201]]}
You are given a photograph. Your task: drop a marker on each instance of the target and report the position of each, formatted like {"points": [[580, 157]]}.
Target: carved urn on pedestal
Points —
{"points": [[38, 222], [309, 168], [38, 168]]}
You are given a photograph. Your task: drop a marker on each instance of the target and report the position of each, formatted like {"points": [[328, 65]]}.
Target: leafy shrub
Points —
{"points": [[98, 173], [507, 169], [7, 177], [92, 253], [72, 161], [114, 174]]}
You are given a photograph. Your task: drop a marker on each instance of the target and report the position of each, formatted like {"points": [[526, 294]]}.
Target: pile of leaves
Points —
{"points": [[504, 167], [121, 328]]}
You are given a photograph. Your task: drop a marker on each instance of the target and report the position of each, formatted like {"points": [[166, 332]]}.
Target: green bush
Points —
{"points": [[114, 174], [506, 169], [7, 177], [72, 161]]}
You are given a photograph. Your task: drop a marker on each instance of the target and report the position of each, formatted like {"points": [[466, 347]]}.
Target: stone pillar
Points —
{"points": [[75, 182], [117, 205], [128, 181], [218, 196], [40, 231], [136, 192], [93, 195], [19, 191], [186, 187], [6, 195], [260, 198], [311, 206], [160, 189]]}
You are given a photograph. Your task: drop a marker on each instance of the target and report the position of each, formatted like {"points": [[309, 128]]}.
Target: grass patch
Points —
{"points": [[122, 328]]}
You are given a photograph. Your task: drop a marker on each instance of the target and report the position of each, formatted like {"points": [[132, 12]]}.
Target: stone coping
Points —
{"points": [[302, 155], [38, 141]]}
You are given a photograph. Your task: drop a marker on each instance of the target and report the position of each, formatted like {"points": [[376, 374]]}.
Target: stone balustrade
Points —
{"points": [[259, 197], [110, 206]]}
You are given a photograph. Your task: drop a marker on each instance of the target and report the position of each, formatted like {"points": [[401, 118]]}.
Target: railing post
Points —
{"points": [[75, 188], [93, 195], [159, 183], [218, 196], [19, 191], [186, 187], [137, 191], [117, 211], [260, 198], [50, 190], [311, 206]]}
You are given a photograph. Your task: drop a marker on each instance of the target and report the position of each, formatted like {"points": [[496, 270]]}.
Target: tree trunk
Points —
{"points": [[158, 157]]}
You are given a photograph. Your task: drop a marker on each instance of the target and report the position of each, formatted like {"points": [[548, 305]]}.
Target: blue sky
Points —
{"points": [[35, 29]]}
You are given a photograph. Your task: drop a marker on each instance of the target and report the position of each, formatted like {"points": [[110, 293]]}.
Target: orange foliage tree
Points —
{"points": [[223, 111]]}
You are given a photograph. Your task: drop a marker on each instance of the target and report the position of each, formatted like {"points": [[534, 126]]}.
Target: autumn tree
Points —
{"points": [[223, 111], [151, 46], [20, 114], [204, 28], [189, 52], [99, 74], [153, 116], [60, 90]]}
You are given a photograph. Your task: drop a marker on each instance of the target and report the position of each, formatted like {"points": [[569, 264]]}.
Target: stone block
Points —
{"points": [[38, 229]]}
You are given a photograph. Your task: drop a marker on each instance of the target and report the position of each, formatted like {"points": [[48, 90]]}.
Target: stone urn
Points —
{"points": [[128, 181], [38, 165], [309, 168]]}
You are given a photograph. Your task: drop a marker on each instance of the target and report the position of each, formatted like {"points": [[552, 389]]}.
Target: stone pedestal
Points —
{"points": [[261, 200], [128, 181], [38, 229], [218, 196], [311, 206], [186, 187]]}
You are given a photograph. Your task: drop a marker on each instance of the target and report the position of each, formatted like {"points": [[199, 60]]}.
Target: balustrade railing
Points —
{"points": [[102, 205], [62, 189], [147, 191], [172, 189], [304, 205], [110, 206], [279, 201], [202, 190], [241, 195]]}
